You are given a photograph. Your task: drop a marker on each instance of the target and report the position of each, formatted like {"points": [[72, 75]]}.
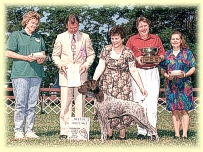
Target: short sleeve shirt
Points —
{"points": [[135, 43], [184, 61], [115, 80], [22, 43]]}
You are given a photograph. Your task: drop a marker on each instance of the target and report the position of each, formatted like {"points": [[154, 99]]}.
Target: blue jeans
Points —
{"points": [[26, 93]]}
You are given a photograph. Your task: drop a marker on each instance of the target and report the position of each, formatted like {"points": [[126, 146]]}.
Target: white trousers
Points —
{"points": [[151, 82]]}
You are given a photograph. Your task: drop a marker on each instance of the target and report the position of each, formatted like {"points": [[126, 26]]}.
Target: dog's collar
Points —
{"points": [[96, 90]]}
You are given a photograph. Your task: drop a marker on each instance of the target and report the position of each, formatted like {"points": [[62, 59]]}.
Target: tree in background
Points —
{"points": [[97, 21]]}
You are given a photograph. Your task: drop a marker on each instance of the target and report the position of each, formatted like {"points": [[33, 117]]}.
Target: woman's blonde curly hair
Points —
{"points": [[30, 15]]}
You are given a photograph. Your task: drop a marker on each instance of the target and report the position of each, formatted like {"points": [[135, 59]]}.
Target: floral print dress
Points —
{"points": [[178, 91], [115, 80], [116, 83]]}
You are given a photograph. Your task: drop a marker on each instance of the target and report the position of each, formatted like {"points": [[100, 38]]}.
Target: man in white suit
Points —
{"points": [[64, 54]]}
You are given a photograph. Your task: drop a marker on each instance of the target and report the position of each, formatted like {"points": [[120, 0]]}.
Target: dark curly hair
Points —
{"points": [[118, 30]]}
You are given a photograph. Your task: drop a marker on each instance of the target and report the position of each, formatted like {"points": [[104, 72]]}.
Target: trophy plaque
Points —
{"points": [[151, 59], [150, 55]]}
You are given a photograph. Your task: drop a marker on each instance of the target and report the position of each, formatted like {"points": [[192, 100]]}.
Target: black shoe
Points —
{"points": [[121, 138], [140, 136], [63, 137], [176, 137], [184, 138], [153, 137], [109, 137]]}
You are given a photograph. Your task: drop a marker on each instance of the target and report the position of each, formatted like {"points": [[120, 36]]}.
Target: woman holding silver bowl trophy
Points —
{"points": [[177, 67]]}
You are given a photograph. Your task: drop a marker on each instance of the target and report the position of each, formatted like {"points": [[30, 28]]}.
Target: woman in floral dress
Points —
{"points": [[116, 64], [178, 89]]}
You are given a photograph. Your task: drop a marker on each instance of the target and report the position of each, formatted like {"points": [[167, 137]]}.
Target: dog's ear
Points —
{"points": [[93, 84], [86, 83], [99, 96]]}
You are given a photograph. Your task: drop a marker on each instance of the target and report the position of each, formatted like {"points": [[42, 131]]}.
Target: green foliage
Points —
{"points": [[97, 22], [193, 47], [164, 36]]}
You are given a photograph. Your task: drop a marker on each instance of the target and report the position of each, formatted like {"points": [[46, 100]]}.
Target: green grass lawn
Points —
{"points": [[47, 127]]}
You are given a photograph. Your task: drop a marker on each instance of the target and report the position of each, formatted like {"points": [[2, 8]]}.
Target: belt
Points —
{"points": [[148, 68]]}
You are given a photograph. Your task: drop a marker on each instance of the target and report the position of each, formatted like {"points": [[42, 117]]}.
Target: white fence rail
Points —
{"points": [[49, 101]]}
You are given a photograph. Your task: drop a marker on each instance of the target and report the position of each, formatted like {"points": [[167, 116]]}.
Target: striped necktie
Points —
{"points": [[73, 46]]}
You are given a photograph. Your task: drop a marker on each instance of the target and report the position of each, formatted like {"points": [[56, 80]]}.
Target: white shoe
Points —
{"points": [[19, 135], [31, 134]]}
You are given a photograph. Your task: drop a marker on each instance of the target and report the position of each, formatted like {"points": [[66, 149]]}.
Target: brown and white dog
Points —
{"points": [[108, 107]]}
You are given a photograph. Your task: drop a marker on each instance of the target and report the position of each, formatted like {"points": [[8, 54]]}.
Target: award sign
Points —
{"points": [[150, 55], [78, 128], [73, 75]]}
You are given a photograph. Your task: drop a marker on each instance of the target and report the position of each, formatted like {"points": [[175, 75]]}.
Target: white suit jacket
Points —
{"points": [[62, 54]]}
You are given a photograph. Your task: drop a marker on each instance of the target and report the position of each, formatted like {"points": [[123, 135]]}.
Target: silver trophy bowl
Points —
{"points": [[149, 51]]}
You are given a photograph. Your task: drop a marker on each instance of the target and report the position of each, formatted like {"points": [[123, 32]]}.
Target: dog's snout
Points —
{"points": [[80, 89]]}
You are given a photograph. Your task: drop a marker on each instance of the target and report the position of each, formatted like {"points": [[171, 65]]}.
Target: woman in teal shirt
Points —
{"points": [[27, 73]]}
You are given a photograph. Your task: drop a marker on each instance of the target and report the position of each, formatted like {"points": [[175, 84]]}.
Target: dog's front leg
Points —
{"points": [[103, 121], [104, 127]]}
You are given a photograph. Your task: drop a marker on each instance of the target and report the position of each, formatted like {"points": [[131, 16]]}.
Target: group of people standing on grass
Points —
{"points": [[120, 72]]}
